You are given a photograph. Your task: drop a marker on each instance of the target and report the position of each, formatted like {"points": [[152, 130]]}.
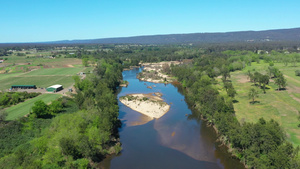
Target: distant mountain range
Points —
{"points": [[242, 36]]}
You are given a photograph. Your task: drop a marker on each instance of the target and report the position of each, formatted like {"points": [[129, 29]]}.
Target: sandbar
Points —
{"points": [[147, 104]]}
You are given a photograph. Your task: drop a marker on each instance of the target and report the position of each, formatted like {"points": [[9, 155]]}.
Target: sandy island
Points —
{"points": [[153, 72], [147, 104]]}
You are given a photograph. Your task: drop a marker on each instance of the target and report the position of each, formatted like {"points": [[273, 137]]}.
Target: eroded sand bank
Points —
{"points": [[147, 104]]}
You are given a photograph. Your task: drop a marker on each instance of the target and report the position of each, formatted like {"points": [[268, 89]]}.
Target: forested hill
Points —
{"points": [[243, 36]]}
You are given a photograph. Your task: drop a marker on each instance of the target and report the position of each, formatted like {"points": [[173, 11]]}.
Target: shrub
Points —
{"points": [[40, 109], [3, 115], [297, 72]]}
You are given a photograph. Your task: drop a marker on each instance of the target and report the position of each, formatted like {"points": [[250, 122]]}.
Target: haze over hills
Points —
{"points": [[241, 36]]}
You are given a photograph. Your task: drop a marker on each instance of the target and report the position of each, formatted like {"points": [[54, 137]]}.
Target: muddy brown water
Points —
{"points": [[173, 141]]}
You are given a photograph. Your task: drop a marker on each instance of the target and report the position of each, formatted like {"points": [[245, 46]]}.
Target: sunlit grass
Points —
{"points": [[24, 108], [278, 105]]}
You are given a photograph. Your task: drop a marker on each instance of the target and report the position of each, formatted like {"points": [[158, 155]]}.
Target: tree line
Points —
{"points": [[73, 132], [258, 145], [12, 98]]}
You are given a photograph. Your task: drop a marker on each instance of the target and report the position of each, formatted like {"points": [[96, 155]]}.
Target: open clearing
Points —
{"points": [[282, 106], [52, 71], [39, 81], [55, 71], [24, 108]]}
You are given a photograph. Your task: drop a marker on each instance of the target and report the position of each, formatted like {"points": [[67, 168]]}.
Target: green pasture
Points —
{"points": [[88, 69], [33, 60], [282, 106], [24, 108], [39, 81], [9, 75], [55, 71]]}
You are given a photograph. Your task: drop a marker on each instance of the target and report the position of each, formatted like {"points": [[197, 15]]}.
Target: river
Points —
{"points": [[173, 141]]}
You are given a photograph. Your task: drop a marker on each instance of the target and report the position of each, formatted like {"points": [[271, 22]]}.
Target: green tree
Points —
{"points": [[40, 109], [15, 98], [3, 115], [4, 99], [55, 107], [231, 92], [264, 79], [285, 60], [225, 72], [280, 81], [297, 72], [250, 75], [68, 147], [85, 62], [253, 93], [256, 78]]}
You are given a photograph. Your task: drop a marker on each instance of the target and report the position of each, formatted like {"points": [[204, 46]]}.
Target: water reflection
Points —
{"points": [[176, 140], [186, 138]]}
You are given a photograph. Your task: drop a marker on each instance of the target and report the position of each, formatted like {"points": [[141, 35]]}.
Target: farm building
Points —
{"points": [[23, 87], [54, 88]]}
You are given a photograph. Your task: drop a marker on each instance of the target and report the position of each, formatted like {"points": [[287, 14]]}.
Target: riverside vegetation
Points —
{"points": [[79, 132], [70, 132], [258, 143]]}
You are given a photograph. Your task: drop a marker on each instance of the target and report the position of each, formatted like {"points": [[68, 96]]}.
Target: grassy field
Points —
{"points": [[55, 71], [44, 73], [282, 106], [24, 108], [39, 81], [6, 76], [57, 62], [52, 71]]}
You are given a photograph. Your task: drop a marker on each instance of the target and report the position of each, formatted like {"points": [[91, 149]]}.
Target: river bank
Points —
{"points": [[173, 141], [221, 139]]}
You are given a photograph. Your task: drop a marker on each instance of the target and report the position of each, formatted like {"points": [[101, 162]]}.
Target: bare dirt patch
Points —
{"points": [[242, 78], [68, 66]]}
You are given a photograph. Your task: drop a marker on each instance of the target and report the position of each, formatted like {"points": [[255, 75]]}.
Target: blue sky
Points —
{"points": [[50, 20]]}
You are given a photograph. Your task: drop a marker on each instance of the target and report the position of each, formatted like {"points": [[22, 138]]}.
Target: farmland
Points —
{"points": [[41, 72], [282, 106], [24, 108], [55, 71], [39, 81]]}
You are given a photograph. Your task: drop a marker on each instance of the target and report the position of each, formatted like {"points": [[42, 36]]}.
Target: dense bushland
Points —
{"points": [[12, 98]]}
